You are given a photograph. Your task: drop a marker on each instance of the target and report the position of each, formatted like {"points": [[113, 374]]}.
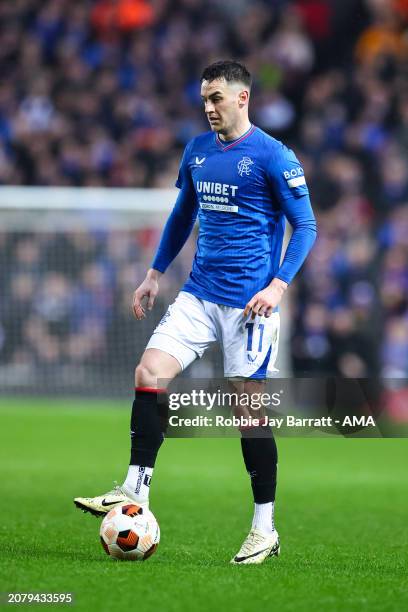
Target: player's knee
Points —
{"points": [[145, 375]]}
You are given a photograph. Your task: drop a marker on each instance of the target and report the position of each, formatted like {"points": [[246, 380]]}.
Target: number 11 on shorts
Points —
{"points": [[250, 328]]}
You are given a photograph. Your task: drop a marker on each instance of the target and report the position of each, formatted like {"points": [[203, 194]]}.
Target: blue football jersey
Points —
{"points": [[242, 192]]}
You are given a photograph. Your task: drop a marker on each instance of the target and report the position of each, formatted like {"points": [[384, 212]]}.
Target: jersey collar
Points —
{"points": [[232, 143]]}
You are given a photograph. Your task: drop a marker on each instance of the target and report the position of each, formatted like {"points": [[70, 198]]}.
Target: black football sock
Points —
{"points": [[147, 425], [261, 458]]}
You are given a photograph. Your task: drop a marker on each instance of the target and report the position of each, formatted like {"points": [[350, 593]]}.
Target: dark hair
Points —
{"points": [[229, 70]]}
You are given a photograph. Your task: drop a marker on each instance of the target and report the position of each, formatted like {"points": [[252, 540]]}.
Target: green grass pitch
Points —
{"points": [[341, 513]]}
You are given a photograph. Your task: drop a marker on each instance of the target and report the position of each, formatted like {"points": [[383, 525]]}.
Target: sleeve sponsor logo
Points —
{"points": [[295, 177]]}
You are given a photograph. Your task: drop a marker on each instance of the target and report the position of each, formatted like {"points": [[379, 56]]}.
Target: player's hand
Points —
{"points": [[146, 292], [265, 301]]}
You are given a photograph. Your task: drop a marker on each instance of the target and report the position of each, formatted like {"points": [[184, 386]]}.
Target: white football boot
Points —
{"points": [[257, 547], [100, 505]]}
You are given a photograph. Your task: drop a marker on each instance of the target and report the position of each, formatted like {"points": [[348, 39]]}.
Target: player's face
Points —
{"points": [[223, 104]]}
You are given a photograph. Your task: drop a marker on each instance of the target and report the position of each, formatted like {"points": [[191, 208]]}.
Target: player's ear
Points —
{"points": [[243, 98]]}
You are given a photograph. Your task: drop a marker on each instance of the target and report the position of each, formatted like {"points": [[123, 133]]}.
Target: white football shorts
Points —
{"points": [[190, 325]]}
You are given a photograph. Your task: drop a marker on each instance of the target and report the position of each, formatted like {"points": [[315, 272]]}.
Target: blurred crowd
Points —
{"points": [[105, 93], [67, 303]]}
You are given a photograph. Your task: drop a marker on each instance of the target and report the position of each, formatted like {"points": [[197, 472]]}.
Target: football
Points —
{"points": [[130, 532]]}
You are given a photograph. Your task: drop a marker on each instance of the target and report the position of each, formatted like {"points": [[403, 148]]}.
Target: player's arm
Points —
{"points": [[175, 234], [289, 185], [299, 213]]}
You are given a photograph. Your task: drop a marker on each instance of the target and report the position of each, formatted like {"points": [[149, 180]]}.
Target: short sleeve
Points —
{"points": [[286, 174], [184, 173]]}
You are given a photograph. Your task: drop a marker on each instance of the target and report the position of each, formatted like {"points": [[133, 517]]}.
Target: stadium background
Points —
{"points": [[104, 94]]}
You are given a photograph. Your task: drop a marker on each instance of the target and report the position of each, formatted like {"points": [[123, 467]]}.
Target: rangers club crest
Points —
{"points": [[244, 166]]}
